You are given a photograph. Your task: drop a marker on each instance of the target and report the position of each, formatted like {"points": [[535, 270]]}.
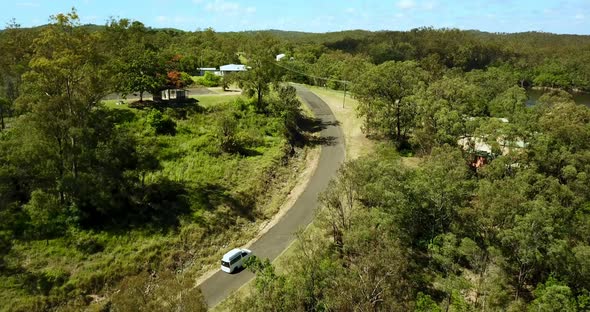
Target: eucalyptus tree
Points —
{"points": [[14, 56], [135, 62], [65, 127], [442, 111], [262, 70], [384, 93]]}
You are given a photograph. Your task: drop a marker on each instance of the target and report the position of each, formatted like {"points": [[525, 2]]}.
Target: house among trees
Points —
{"points": [[483, 150], [231, 68]]}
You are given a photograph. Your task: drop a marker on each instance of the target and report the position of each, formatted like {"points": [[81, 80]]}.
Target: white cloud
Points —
{"points": [[350, 10], [162, 19], [580, 16], [225, 7], [406, 4], [222, 6], [175, 20], [429, 5]]}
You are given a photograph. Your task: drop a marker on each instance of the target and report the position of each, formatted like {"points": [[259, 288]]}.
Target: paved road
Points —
{"points": [[270, 245]]}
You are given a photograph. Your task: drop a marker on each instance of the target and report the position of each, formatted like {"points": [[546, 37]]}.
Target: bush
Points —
{"points": [[227, 129], [88, 244], [161, 124], [209, 80]]}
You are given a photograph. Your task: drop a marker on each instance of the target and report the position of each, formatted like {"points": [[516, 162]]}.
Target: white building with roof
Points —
{"points": [[203, 70], [231, 68]]}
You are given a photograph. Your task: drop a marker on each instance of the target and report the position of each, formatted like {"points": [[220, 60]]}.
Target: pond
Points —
{"points": [[534, 95]]}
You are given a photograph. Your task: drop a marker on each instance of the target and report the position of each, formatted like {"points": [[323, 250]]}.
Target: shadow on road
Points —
{"points": [[311, 126]]}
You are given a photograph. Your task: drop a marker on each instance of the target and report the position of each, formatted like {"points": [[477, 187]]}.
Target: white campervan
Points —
{"points": [[234, 259]]}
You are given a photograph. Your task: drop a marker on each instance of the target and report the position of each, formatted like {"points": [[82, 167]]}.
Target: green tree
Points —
{"points": [[492, 82], [384, 95], [142, 72], [553, 296], [443, 110], [262, 71], [272, 292], [4, 108], [135, 62], [47, 216], [64, 87], [14, 58], [288, 108], [509, 104], [440, 188], [444, 253]]}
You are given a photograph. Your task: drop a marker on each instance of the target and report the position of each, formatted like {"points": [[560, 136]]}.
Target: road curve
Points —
{"points": [[220, 285]]}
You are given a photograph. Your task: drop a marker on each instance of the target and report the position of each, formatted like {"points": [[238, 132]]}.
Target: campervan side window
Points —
{"points": [[236, 259]]}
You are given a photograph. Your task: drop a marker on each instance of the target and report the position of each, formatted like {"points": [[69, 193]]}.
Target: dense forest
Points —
{"points": [[120, 208]]}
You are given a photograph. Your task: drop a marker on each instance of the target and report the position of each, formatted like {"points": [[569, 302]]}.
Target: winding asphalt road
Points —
{"points": [[220, 285]]}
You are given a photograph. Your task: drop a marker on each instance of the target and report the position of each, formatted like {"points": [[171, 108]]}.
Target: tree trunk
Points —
{"points": [[2, 125], [259, 97], [398, 123], [61, 168], [141, 96], [75, 158]]}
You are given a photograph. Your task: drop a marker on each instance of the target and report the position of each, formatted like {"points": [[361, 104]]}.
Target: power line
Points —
{"points": [[313, 76], [345, 82]]}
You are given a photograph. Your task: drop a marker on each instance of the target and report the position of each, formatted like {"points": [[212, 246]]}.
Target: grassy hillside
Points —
{"points": [[223, 199]]}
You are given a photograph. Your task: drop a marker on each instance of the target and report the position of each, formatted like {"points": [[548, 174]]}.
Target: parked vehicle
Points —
{"points": [[234, 259]]}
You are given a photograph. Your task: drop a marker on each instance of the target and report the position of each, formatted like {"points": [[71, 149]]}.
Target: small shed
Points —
{"points": [[280, 56], [174, 94]]}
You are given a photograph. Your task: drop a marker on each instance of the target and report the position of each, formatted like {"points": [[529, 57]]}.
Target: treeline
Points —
{"points": [[537, 59], [74, 174], [510, 236], [104, 199], [494, 218]]}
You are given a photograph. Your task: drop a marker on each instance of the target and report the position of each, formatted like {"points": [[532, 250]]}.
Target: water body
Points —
{"points": [[534, 95]]}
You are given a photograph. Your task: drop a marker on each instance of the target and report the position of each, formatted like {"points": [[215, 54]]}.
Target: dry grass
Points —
{"points": [[356, 143]]}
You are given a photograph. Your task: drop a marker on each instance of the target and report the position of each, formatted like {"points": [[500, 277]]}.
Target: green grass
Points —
{"points": [[218, 184], [209, 100], [112, 104]]}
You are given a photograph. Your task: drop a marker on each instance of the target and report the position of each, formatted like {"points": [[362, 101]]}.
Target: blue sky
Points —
{"points": [[559, 16]]}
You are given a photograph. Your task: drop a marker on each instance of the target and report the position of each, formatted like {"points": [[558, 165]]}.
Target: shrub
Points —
{"points": [[227, 128], [161, 124], [46, 215], [88, 244], [209, 80]]}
